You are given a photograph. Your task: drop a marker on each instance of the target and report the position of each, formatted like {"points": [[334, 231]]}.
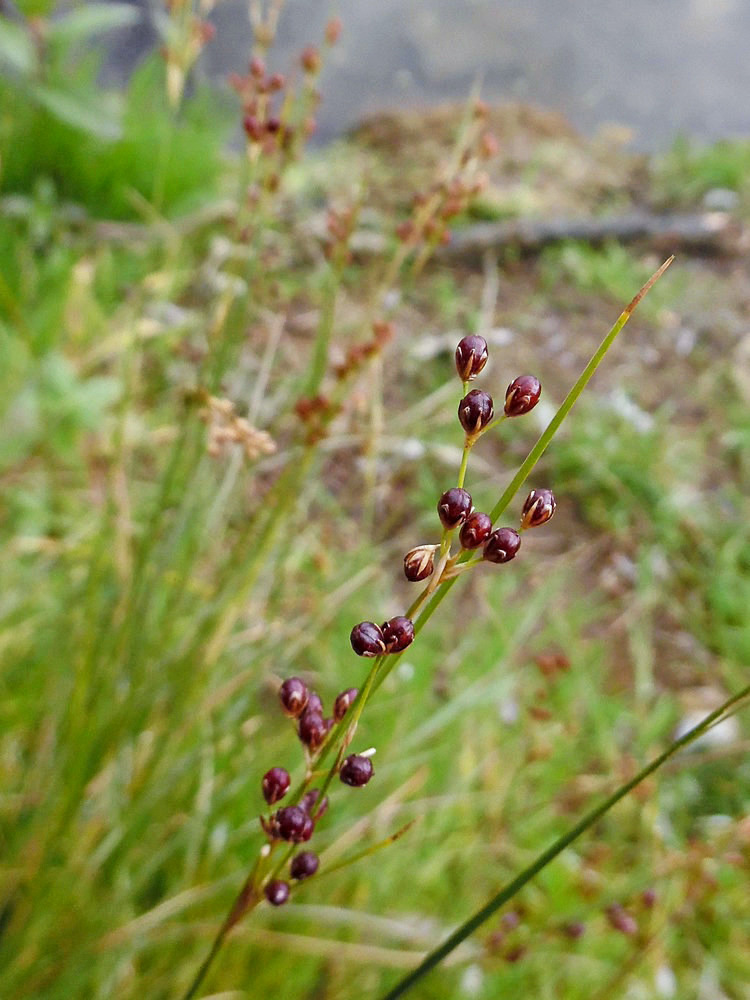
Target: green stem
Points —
{"points": [[541, 862], [567, 405]]}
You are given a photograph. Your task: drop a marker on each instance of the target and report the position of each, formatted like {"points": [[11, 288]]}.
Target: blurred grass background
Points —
{"points": [[152, 598]]}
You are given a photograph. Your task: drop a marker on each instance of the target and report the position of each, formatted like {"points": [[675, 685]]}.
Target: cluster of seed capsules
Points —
{"points": [[295, 824], [476, 412]]}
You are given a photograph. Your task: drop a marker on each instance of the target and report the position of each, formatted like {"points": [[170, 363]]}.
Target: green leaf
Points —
{"points": [[16, 48], [93, 18], [96, 117]]}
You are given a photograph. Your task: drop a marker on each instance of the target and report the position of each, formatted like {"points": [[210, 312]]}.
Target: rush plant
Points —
{"points": [[468, 539]]}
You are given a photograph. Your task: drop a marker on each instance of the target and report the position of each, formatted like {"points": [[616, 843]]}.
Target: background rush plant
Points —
{"points": [[319, 735]]}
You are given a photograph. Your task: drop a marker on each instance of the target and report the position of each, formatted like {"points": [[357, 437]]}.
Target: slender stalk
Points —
{"points": [[567, 405], [512, 888]]}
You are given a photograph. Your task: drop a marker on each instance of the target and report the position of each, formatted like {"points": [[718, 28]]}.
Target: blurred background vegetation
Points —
{"points": [[155, 588]]}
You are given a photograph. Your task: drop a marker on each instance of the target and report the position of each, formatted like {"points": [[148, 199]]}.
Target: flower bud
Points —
{"points": [[343, 703], [398, 633], [522, 395], [294, 696], [356, 771], [419, 562], [312, 729], [304, 865], [277, 892], [471, 357], [475, 530], [454, 506], [538, 508], [475, 411], [502, 545], [291, 823], [275, 784], [367, 639]]}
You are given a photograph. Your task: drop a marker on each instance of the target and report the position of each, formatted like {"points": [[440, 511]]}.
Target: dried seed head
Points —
{"points": [[574, 929], [294, 696], [420, 562], [475, 530], [356, 771], [343, 703], [277, 892], [275, 784], [621, 920], [398, 633], [309, 803], [291, 823], [522, 395], [502, 545], [304, 865], [333, 30], [538, 508], [310, 59], [471, 357], [367, 639], [475, 411], [454, 506], [312, 729]]}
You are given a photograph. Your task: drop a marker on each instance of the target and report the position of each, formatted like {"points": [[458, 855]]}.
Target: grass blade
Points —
{"points": [[512, 888]]}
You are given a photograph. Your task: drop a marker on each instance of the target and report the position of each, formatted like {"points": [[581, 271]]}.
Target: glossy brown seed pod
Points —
{"points": [[453, 507], [522, 395], [398, 633], [502, 545], [275, 784], [471, 357], [356, 771], [294, 696], [343, 703], [475, 411], [475, 530], [538, 508], [367, 639], [419, 562], [276, 892], [304, 865]]}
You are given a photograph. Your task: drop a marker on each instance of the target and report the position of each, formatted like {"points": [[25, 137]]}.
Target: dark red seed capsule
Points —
{"points": [[343, 703], [309, 803], [454, 506], [398, 633], [304, 865], [475, 411], [308, 829], [275, 784], [419, 562], [291, 823], [502, 545], [277, 892], [538, 508], [574, 929], [621, 920], [367, 639], [314, 704], [356, 771], [471, 357], [312, 729], [522, 395], [294, 696], [475, 530]]}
